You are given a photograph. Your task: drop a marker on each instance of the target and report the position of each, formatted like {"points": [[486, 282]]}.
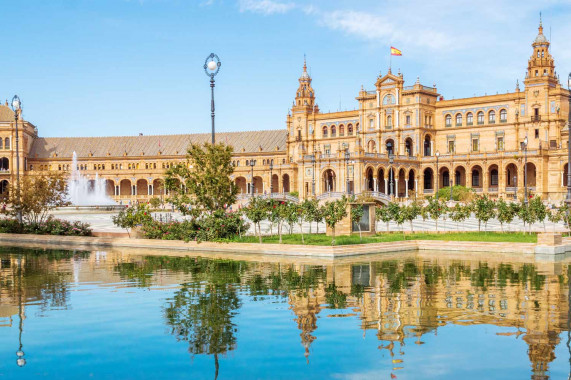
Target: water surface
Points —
{"points": [[108, 315]]}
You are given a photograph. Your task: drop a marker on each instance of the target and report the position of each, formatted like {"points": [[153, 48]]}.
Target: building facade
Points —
{"points": [[400, 142]]}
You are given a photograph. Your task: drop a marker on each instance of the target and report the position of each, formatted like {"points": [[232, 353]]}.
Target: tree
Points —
{"points": [[459, 214], [333, 212], [435, 209], [527, 215], [357, 213], [256, 212], [505, 213], [555, 216], [411, 212], [155, 202], [310, 208], [383, 214], [39, 194], [206, 178], [539, 210], [130, 217], [483, 210], [400, 217], [291, 215]]}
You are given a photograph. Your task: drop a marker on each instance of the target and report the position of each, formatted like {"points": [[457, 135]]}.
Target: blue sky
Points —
{"points": [[118, 67]]}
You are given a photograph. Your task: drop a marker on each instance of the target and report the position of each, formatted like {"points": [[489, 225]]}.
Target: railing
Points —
{"points": [[536, 118], [493, 189], [478, 189], [428, 191], [283, 196], [330, 194], [376, 195]]}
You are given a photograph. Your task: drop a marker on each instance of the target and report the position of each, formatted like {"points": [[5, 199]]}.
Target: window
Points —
{"points": [[492, 117], [371, 123], [333, 131], [459, 120], [503, 116], [451, 146], [448, 120], [500, 143], [341, 130], [475, 145], [7, 143], [324, 135], [480, 118], [537, 133], [407, 119], [536, 73], [389, 121], [327, 149], [350, 130], [469, 118]]}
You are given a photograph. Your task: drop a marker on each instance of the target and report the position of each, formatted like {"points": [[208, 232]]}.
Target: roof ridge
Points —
{"points": [[165, 135]]}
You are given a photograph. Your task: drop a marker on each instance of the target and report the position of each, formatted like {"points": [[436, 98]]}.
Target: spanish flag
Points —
{"points": [[395, 51]]}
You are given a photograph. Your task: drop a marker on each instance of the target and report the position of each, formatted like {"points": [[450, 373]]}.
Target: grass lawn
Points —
{"points": [[322, 239]]}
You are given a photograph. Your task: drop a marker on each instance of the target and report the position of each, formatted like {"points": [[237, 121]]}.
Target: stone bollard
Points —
{"points": [[549, 238]]}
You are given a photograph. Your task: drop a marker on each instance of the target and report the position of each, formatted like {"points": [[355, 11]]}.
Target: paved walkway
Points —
{"points": [[102, 222]]}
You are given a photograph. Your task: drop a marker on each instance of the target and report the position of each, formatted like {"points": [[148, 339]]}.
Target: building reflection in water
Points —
{"points": [[399, 299]]}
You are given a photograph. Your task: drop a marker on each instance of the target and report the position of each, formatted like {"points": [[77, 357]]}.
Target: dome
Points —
{"points": [[540, 39], [6, 114]]}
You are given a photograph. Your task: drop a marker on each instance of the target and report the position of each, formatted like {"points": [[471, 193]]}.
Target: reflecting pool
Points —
{"points": [[118, 314]]}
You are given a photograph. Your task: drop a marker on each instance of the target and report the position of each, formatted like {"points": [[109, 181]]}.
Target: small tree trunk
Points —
{"points": [[317, 226], [301, 230], [360, 234], [280, 231], [411, 227], [333, 236], [387, 226], [479, 223], [260, 232], [502, 226], [310, 228], [436, 221]]}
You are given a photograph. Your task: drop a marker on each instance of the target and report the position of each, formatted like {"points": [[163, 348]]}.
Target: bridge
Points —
{"points": [[245, 198], [376, 195]]}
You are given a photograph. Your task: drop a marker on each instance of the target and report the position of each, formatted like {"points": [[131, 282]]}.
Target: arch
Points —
{"points": [[458, 119], [258, 185], [401, 181], [427, 146], [341, 130], [324, 131], [109, 187], [371, 146], [329, 181], [411, 179], [142, 187], [408, 146], [7, 143], [241, 184], [125, 187], [389, 121], [460, 176], [4, 187], [477, 177], [565, 171], [4, 164], [381, 180], [503, 115], [469, 118], [492, 117], [390, 146], [480, 116], [448, 120], [1, 144], [158, 187], [389, 99], [369, 180], [428, 175], [275, 183], [443, 177], [493, 176], [333, 131], [531, 174], [350, 130], [511, 175], [285, 183]]}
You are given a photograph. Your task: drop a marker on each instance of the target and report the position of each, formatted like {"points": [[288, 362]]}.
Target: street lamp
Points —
{"points": [[347, 154], [17, 107], [252, 163], [391, 173], [525, 170], [313, 180], [211, 68], [515, 187], [437, 154], [21, 361], [271, 178], [451, 184]]}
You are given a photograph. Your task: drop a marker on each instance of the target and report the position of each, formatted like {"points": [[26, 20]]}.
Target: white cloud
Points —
{"points": [[265, 7]]}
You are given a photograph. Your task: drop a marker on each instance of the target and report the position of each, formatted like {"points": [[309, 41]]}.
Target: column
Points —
{"points": [[431, 148], [416, 185], [396, 187], [406, 188], [375, 187], [386, 186], [151, 190]]}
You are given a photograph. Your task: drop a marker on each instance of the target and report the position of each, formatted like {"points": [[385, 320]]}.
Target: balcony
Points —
{"points": [[535, 118], [469, 123]]}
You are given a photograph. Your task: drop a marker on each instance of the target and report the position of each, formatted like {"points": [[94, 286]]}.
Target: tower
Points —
{"points": [[540, 67], [305, 96]]}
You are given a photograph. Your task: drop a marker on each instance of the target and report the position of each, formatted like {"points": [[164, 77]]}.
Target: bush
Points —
{"points": [[130, 217], [51, 226], [459, 193]]}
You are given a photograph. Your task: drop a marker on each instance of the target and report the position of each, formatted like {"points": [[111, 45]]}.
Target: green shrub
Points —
{"points": [[50, 226], [459, 193]]}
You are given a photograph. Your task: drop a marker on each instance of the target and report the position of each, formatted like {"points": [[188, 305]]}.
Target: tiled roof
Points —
{"points": [[6, 114], [117, 146]]}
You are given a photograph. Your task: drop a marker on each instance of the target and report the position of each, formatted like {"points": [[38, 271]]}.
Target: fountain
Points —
{"points": [[83, 192]]}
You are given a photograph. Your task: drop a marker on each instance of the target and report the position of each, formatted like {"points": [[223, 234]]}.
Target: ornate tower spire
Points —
{"points": [[305, 96], [541, 67]]}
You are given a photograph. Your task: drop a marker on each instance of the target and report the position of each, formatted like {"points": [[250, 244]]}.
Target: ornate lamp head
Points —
{"points": [[212, 65]]}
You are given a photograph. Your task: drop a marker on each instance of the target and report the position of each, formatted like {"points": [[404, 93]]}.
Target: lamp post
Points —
{"points": [[271, 179], [16, 107], [21, 361], [252, 163], [451, 185], [347, 154], [568, 200], [437, 154], [525, 170], [391, 173], [313, 179], [515, 187], [211, 67]]}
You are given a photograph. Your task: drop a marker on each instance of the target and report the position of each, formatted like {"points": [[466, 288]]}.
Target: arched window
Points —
{"points": [[341, 130], [503, 116], [7, 143], [458, 119], [324, 132], [389, 99], [350, 130], [333, 131], [372, 146], [389, 121], [492, 117], [480, 117], [448, 120], [469, 118]]}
